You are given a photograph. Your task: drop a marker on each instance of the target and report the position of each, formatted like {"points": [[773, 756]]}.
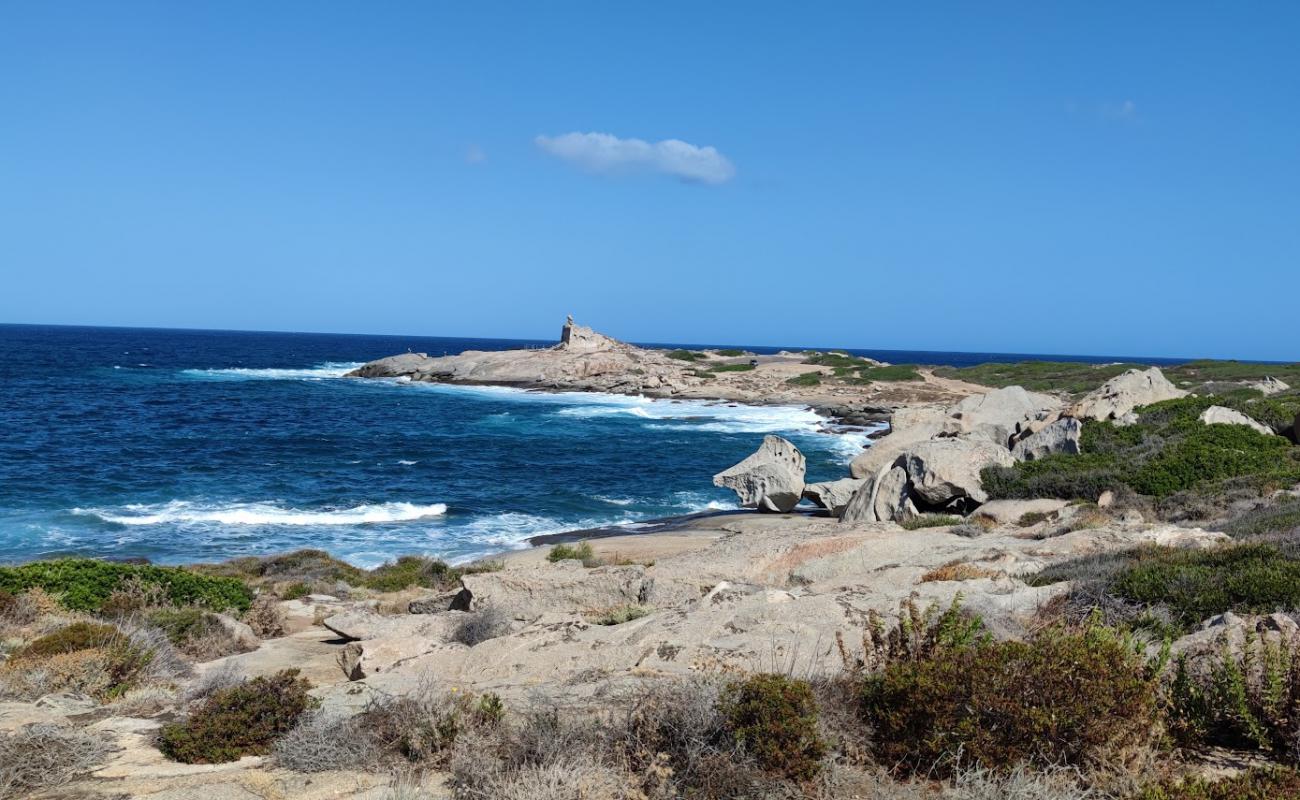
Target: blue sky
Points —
{"points": [[1114, 178]]}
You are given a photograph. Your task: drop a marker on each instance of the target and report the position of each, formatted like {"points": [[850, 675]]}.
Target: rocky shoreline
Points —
{"points": [[587, 361]]}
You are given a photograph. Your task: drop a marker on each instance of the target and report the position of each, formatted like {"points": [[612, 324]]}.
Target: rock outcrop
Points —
{"points": [[998, 415], [946, 472], [1269, 385], [771, 479], [1060, 437], [832, 495], [1218, 415], [1116, 398], [907, 427]]}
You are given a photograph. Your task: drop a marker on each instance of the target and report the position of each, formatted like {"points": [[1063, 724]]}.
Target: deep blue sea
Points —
{"points": [[182, 446]]}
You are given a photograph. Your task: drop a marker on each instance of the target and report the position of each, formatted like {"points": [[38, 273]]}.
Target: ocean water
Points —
{"points": [[182, 446]]}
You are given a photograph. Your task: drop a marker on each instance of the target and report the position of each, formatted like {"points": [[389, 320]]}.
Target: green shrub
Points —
{"points": [[579, 552], [806, 379], [685, 355], [1258, 783], [836, 359], [1084, 476], [731, 352], [1065, 697], [1197, 584], [83, 584], [929, 521], [894, 372], [732, 368], [408, 571], [1242, 698], [239, 721], [774, 719], [69, 639]]}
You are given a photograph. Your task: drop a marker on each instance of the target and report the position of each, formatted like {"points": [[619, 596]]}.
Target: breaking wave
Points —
{"points": [[184, 512], [327, 369]]}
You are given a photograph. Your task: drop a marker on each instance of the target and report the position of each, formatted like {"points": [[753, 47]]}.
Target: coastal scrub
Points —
{"points": [[83, 584]]}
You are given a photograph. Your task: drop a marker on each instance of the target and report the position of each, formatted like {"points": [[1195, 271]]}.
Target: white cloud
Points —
{"points": [[604, 153]]}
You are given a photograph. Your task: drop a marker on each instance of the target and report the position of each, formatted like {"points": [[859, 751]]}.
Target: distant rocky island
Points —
{"points": [[851, 389]]}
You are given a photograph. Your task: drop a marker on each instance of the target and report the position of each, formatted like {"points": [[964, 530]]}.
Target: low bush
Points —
{"points": [[84, 584], [42, 756], [806, 379], [99, 660], [423, 726], [1197, 584], [1243, 698], [1065, 697], [774, 719], [1260, 783], [958, 571], [196, 632], [929, 521], [295, 590], [265, 617], [476, 627], [322, 742], [242, 720], [579, 552], [1039, 376], [409, 571], [1271, 518], [731, 352]]}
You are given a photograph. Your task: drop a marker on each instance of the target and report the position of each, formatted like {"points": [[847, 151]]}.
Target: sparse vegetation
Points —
{"points": [[1260, 783], [99, 660], [686, 355], [893, 372], [580, 552], [958, 571], [929, 521], [731, 352], [482, 624], [42, 756], [732, 368], [245, 719], [1040, 376]]}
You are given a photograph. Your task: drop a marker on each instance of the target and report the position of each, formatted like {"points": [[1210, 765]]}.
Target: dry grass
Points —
{"points": [[212, 681], [958, 571], [265, 617], [322, 742], [482, 624], [42, 756]]}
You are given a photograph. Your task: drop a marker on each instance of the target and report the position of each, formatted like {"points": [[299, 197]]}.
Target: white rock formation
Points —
{"points": [[1218, 415], [771, 479], [1062, 436], [1116, 398]]}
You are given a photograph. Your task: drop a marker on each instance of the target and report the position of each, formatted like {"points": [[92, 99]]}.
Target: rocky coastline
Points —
{"points": [[1138, 537]]}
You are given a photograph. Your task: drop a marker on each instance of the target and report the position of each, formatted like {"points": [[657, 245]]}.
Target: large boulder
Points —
{"points": [[944, 471], [906, 427], [1117, 397], [1218, 415], [1062, 436], [999, 414], [771, 479], [885, 497], [832, 495], [1269, 385]]}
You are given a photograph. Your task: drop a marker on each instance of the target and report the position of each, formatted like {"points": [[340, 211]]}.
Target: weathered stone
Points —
{"points": [[907, 427], [1010, 512], [997, 415], [832, 495], [771, 479], [1269, 385], [241, 633], [944, 470], [892, 499], [1061, 437], [1218, 415], [1117, 397], [564, 587]]}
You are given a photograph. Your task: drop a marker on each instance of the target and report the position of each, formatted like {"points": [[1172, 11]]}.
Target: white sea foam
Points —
{"points": [[328, 369], [404, 462], [184, 512]]}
